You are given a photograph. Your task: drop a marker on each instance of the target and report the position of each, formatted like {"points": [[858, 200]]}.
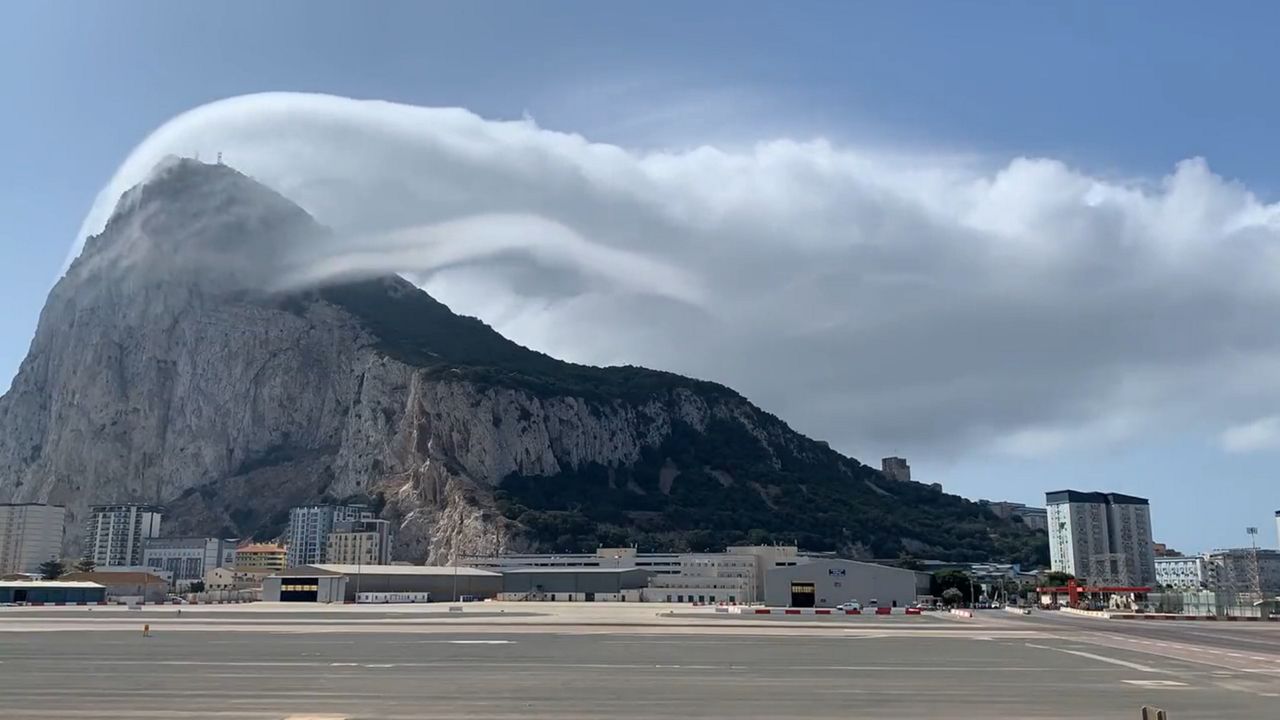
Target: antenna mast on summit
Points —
{"points": [[219, 157]]}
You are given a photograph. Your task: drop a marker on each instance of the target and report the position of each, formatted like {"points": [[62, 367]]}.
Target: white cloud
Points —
{"points": [[874, 299], [1261, 434]]}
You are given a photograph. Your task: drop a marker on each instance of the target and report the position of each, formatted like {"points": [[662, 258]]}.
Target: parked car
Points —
{"points": [[851, 605], [873, 602]]}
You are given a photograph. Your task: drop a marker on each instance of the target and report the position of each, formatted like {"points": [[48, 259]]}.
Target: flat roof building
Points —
{"points": [[830, 582], [51, 592], [574, 584], [30, 534], [444, 583], [1101, 538]]}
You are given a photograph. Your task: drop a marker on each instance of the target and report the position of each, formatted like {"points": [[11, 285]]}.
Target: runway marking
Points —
{"points": [[479, 642], [379, 665], [1156, 683], [1103, 658], [344, 664]]}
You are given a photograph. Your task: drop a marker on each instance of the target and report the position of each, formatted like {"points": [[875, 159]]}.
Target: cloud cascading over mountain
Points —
{"points": [[874, 299]]}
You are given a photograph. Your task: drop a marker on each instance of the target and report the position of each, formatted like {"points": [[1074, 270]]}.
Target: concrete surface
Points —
{"points": [[357, 663]]}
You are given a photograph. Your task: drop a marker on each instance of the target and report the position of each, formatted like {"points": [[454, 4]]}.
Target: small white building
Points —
{"points": [[1181, 573]]}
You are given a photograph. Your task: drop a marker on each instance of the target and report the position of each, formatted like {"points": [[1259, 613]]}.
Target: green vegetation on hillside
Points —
{"points": [[730, 488], [415, 329], [728, 491]]}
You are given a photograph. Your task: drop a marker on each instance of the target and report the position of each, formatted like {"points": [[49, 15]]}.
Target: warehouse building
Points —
{"points": [[49, 592], [339, 583], [575, 584], [830, 582]]}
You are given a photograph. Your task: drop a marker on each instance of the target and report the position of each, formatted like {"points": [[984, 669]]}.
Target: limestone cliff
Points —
{"points": [[165, 369]]}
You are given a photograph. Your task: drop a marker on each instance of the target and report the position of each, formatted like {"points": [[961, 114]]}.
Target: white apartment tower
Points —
{"points": [[309, 529], [116, 535], [30, 533], [1101, 538]]}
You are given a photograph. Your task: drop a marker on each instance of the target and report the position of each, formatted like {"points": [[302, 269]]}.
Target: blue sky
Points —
{"points": [[1116, 90]]}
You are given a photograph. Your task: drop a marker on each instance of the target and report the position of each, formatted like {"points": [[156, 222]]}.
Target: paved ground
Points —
{"points": [[266, 663]]}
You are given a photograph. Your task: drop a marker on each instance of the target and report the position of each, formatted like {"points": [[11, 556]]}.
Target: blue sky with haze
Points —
{"points": [[1122, 91]]}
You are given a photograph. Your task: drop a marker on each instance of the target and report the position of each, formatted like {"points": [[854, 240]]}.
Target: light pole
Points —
{"points": [[1254, 579], [455, 572]]}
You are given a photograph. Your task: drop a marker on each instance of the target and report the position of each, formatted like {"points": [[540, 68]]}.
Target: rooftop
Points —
{"points": [[67, 584], [302, 570], [553, 570]]}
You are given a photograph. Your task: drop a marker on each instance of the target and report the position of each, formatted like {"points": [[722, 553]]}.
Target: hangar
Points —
{"points": [[580, 584], [830, 582], [340, 583]]}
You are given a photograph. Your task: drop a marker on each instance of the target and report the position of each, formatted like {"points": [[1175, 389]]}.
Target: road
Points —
{"points": [[211, 665]]}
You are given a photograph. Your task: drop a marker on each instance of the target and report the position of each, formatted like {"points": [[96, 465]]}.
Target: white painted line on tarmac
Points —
{"points": [[1113, 661], [379, 665], [344, 664], [1155, 683], [475, 642]]}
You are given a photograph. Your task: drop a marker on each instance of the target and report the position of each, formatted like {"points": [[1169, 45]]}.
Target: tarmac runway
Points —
{"points": [[223, 665]]}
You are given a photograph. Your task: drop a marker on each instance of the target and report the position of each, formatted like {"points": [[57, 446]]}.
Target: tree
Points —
{"points": [[951, 579], [1057, 578], [907, 561], [197, 586], [52, 569], [86, 564], [952, 596]]}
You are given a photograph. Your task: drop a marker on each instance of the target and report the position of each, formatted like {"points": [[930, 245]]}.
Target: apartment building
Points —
{"points": [[116, 535], [360, 542], [309, 529], [264, 556], [30, 534], [1102, 538]]}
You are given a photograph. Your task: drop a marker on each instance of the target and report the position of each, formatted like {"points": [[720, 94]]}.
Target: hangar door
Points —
{"points": [[300, 590], [802, 594]]}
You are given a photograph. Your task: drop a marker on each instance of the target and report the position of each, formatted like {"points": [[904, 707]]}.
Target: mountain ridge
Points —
{"points": [[166, 368]]}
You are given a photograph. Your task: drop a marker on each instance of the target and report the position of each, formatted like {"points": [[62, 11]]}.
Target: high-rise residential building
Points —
{"points": [[360, 542], [896, 468], [260, 556], [1101, 538], [309, 528], [30, 533], [188, 558], [116, 534]]}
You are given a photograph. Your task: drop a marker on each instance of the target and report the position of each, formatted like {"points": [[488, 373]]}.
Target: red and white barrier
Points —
{"points": [[822, 611], [962, 613]]}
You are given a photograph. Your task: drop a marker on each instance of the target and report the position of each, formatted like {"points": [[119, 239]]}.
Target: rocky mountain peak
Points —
{"points": [[199, 224], [167, 368]]}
